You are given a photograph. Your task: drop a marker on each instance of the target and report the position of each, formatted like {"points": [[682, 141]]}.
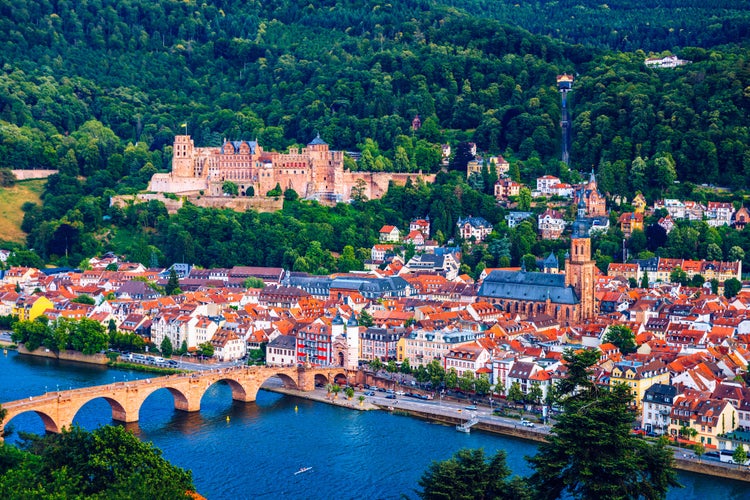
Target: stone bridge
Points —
{"points": [[58, 409]]}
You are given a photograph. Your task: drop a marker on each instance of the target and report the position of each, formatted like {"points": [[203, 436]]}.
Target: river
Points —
{"points": [[254, 453]]}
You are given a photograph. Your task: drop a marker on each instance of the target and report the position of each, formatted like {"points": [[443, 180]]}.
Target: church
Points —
{"points": [[569, 297]]}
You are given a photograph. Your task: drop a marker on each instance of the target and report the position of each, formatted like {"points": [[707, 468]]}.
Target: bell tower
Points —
{"points": [[580, 270]]}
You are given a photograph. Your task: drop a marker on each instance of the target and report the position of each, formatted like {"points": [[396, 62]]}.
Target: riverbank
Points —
{"points": [[449, 416]]}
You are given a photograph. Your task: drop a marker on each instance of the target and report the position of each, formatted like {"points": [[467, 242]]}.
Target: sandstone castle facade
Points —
{"points": [[314, 171]]}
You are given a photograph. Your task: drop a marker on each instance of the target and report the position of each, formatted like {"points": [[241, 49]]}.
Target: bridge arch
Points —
{"points": [[287, 380], [321, 380], [49, 423], [118, 410]]}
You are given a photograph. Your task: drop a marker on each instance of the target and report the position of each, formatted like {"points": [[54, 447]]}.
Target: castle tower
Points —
{"points": [[565, 84], [580, 270], [183, 157], [352, 343]]}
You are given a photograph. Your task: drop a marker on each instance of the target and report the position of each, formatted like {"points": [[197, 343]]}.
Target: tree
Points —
{"points": [[524, 199], [736, 253], [515, 395], [451, 379], [621, 336], [173, 284], [275, 192], [468, 475], [739, 456], [290, 194], [732, 287], [405, 366], [166, 347], [644, 280], [206, 349], [482, 384], [349, 392], [714, 286], [436, 372], [230, 188], [109, 462], [391, 367], [84, 299], [535, 394], [365, 319], [254, 283], [376, 364], [591, 451]]}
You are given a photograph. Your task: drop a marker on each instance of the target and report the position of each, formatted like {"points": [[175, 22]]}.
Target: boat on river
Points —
{"points": [[303, 469]]}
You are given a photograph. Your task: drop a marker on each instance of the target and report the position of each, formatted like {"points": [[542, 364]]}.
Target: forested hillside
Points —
{"points": [[625, 25], [98, 89]]}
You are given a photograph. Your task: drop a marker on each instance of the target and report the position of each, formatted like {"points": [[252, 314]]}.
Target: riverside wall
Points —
{"points": [[95, 359]]}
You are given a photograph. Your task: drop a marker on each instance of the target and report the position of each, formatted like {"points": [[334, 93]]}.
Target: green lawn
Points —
{"points": [[11, 200]]}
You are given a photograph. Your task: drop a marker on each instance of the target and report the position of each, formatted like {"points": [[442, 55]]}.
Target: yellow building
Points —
{"points": [[639, 377], [30, 307], [701, 419]]}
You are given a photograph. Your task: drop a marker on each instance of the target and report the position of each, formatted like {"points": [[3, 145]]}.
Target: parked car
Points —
{"points": [[369, 393], [400, 393]]}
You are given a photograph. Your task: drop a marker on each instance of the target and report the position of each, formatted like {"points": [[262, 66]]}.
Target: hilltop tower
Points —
{"points": [[183, 158], [565, 85]]}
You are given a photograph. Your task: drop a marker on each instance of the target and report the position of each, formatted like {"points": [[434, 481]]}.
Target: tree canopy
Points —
{"points": [[591, 451], [468, 475], [109, 462]]}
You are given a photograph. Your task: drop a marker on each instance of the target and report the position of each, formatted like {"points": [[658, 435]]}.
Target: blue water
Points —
{"points": [[354, 455]]}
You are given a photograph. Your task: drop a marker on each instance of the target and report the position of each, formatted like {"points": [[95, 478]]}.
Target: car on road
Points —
{"points": [[526, 423], [400, 393], [369, 393], [712, 454], [381, 389], [390, 396], [470, 407]]}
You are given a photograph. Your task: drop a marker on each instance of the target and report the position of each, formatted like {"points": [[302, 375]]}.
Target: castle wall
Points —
{"points": [[376, 183], [167, 183], [239, 204], [24, 175]]}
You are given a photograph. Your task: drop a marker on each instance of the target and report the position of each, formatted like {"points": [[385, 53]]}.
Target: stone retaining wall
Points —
{"points": [[24, 175], [96, 359]]}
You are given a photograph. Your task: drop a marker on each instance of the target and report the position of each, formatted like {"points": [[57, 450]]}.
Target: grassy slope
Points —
{"points": [[11, 200]]}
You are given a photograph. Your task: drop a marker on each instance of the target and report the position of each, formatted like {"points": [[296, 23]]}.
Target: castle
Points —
{"points": [[314, 171]]}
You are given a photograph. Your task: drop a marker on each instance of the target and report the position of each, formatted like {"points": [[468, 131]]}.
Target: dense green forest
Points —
{"points": [[624, 25], [98, 89]]}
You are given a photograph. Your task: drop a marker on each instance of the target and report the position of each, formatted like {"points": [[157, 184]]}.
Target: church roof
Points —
{"points": [[520, 285]]}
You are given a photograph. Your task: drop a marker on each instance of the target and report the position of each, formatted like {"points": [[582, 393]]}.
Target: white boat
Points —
{"points": [[303, 469]]}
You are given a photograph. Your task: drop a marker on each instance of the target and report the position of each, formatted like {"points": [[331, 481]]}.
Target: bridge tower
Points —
{"points": [[352, 343], [565, 85]]}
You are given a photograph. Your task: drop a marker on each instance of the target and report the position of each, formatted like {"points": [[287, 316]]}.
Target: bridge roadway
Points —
{"points": [[58, 409]]}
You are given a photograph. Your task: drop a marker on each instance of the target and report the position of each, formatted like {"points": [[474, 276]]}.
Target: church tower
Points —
{"points": [[183, 157], [580, 270]]}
